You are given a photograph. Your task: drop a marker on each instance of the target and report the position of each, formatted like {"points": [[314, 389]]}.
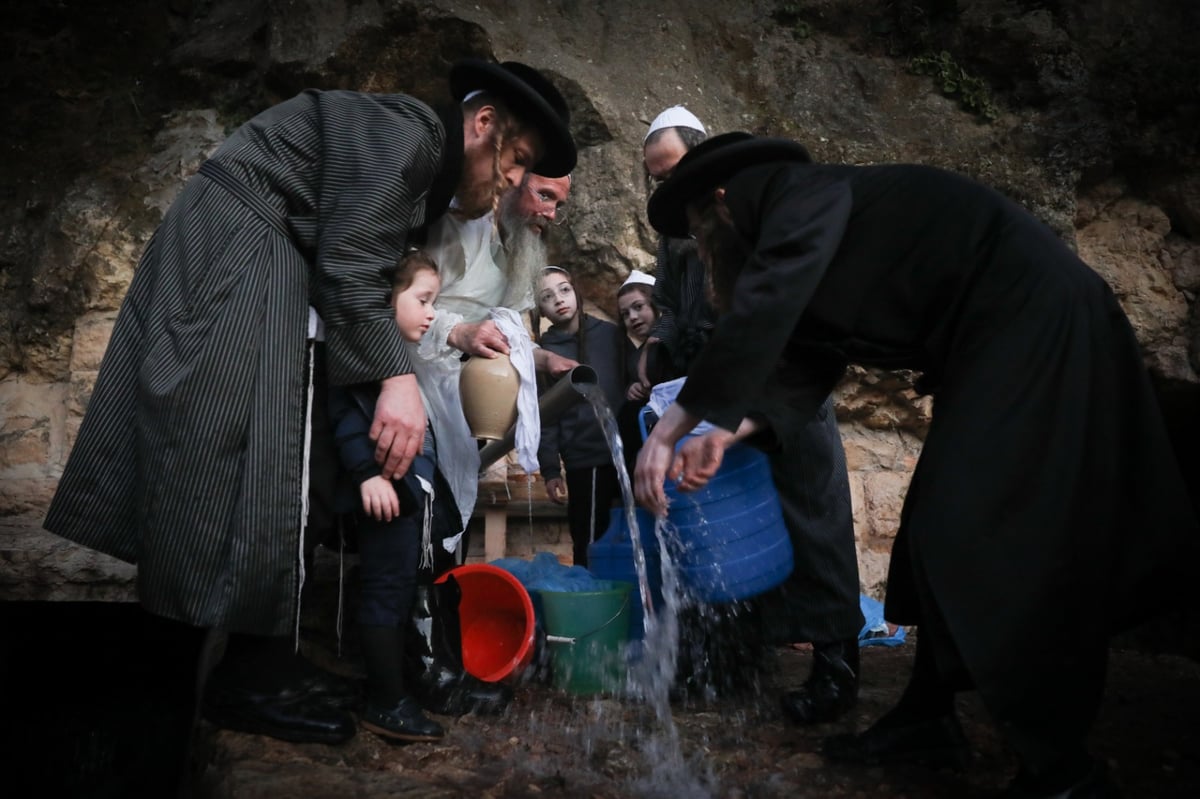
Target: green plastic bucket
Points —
{"points": [[586, 632]]}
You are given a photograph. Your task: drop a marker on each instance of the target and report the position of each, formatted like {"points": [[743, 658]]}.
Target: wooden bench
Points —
{"points": [[504, 495]]}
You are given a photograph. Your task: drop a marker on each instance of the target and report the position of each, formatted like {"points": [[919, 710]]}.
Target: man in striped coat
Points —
{"points": [[192, 460]]}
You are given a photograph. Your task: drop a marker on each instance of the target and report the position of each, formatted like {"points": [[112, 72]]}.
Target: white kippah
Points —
{"points": [[637, 276], [675, 117]]}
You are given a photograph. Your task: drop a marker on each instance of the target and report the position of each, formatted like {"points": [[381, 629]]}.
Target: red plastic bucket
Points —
{"points": [[496, 617]]}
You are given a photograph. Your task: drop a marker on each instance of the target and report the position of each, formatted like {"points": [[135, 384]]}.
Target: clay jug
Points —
{"points": [[489, 389]]}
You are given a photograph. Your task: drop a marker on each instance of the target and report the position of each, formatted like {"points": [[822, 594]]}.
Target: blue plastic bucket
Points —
{"points": [[610, 557], [732, 540]]}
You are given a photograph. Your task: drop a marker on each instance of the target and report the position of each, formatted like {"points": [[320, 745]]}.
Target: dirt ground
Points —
{"points": [[553, 744], [95, 704]]}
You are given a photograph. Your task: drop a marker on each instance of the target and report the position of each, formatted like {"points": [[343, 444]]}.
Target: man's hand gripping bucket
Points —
{"points": [[732, 540]]}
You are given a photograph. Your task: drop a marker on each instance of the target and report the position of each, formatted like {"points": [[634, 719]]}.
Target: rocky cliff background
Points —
{"points": [[1085, 111]]}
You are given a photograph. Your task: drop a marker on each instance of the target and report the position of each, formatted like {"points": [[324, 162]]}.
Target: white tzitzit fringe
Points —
{"points": [[592, 517], [304, 480], [426, 525], [341, 582]]}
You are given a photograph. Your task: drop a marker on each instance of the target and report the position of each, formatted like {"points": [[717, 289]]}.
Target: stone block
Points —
{"points": [[27, 495], [871, 449], [92, 332], [79, 392], [30, 427], [883, 498], [873, 572], [26, 444], [40, 566]]}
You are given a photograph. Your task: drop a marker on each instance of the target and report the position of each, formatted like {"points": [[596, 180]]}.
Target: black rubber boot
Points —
{"points": [[433, 668], [831, 688], [267, 664], [937, 742], [390, 712], [262, 687], [402, 721], [383, 660]]}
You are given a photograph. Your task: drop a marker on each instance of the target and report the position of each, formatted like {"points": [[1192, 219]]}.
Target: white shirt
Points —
{"points": [[471, 263]]}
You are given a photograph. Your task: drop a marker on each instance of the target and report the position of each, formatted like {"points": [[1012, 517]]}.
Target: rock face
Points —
{"points": [[1085, 112]]}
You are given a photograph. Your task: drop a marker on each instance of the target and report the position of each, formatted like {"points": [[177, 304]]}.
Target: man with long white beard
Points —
{"points": [[488, 263], [525, 213], [484, 263]]}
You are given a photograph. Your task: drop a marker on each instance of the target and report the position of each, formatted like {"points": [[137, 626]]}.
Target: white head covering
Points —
{"points": [[638, 276], [675, 117]]}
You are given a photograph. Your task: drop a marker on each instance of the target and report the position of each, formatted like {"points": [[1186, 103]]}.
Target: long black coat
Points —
{"points": [[819, 600], [191, 458], [576, 436], [1046, 509]]}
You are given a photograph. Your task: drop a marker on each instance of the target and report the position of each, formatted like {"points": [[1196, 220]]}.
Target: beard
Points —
{"points": [[679, 249], [481, 182], [477, 198], [525, 253], [727, 255]]}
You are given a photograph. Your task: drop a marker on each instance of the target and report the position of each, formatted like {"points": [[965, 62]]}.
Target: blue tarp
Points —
{"points": [[545, 573]]}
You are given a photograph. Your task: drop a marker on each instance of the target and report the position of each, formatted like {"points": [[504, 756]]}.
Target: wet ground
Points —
{"points": [[91, 709]]}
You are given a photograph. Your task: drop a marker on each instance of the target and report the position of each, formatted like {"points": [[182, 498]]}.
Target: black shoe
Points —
{"points": [[450, 693], [831, 690], [1094, 784], [434, 671], [403, 722], [295, 678], [333, 689], [936, 743], [284, 714]]}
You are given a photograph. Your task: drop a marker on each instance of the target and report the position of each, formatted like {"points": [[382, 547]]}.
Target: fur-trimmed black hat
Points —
{"points": [[532, 98], [706, 167]]}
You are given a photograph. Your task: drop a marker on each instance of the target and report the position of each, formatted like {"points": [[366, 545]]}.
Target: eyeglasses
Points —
{"points": [[557, 211]]}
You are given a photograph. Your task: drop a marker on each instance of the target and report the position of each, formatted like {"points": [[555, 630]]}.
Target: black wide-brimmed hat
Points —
{"points": [[709, 165], [532, 98]]}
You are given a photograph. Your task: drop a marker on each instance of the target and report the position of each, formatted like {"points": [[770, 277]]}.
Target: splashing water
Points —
{"points": [[529, 509], [653, 673], [608, 423]]}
